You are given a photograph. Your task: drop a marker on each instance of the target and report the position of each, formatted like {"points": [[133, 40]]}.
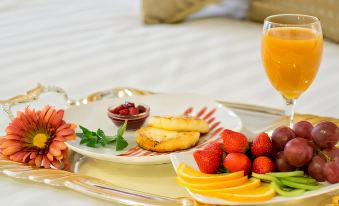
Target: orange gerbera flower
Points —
{"points": [[37, 138]]}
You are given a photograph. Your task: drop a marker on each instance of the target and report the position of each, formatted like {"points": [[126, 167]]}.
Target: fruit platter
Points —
{"points": [[159, 148]]}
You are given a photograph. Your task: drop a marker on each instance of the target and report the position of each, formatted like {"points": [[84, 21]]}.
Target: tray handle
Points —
{"points": [[90, 186], [31, 95]]}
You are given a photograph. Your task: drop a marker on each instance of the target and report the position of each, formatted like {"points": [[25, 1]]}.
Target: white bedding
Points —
{"points": [[85, 46]]}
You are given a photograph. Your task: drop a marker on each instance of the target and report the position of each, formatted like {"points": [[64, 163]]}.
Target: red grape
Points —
{"points": [[282, 164], [325, 134], [303, 129], [331, 171], [281, 136], [315, 168], [298, 152], [331, 152]]}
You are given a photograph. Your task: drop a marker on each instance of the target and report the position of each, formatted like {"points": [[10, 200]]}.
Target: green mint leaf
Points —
{"points": [[81, 135], [84, 141], [92, 143], [101, 133], [86, 131], [121, 143], [122, 129]]}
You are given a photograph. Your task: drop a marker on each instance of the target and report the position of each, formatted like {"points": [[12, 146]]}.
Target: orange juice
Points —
{"points": [[291, 57]]}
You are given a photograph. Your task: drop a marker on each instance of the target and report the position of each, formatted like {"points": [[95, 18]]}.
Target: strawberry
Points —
{"points": [[234, 162], [262, 145], [215, 147], [207, 161], [234, 141], [262, 165]]}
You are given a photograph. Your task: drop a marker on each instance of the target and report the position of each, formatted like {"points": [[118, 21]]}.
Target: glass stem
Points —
{"points": [[289, 111]]}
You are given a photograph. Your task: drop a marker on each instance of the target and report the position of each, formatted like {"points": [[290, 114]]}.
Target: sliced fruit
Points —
{"points": [[213, 185], [290, 193], [262, 193], [302, 180], [191, 175], [287, 174], [299, 185], [252, 183], [267, 178]]}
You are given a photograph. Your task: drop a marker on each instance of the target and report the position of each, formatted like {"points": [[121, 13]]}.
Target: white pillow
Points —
{"points": [[231, 8]]}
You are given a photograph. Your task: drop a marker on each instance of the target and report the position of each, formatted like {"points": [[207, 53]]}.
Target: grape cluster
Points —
{"points": [[309, 148]]}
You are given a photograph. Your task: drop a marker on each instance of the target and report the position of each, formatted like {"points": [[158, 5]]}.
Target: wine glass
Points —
{"points": [[292, 46]]}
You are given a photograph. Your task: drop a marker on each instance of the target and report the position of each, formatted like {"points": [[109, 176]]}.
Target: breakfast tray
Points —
{"points": [[157, 182]]}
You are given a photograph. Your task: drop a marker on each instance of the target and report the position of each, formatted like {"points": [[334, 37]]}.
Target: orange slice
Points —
{"points": [[212, 185], [191, 175], [262, 193], [249, 185]]}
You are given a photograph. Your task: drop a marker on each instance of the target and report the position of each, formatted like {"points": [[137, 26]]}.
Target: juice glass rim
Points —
{"points": [[316, 20]]}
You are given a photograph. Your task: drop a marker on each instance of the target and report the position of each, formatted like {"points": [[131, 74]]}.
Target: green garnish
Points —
{"points": [[92, 138]]}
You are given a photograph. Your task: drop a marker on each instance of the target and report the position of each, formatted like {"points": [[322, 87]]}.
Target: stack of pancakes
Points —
{"points": [[168, 133]]}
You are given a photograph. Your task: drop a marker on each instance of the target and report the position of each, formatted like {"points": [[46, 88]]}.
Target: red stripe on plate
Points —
{"points": [[201, 112], [214, 125], [208, 115], [188, 111], [210, 121], [130, 151]]}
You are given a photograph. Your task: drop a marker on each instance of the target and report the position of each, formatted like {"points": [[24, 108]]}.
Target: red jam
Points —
{"points": [[136, 115]]}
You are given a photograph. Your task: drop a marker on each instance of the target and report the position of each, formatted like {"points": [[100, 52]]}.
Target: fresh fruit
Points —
{"points": [[303, 129], [282, 191], [281, 136], [262, 165], [191, 175], [234, 141], [282, 164], [262, 193], [315, 168], [261, 145], [207, 161], [265, 177], [128, 108], [331, 152], [215, 147], [298, 152], [330, 171], [296, 173], [303, 180], [325, 134], [299, 185], [252, 183], [212, 185], [235, 162]]}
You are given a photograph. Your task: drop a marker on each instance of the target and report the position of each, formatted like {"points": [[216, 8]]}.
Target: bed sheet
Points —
{"points": [[85, 46]]}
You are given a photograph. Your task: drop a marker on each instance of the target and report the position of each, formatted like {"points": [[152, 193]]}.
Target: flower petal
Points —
{"points": [[57, 120], [38, 160], [65, 132], [58, 145], [10, 143], [46, 162], [11, 150], [54, 151], [50, 156], [56, 164]]}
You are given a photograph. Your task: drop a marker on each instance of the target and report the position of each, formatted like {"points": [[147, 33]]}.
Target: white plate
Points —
{"points": [[94, 116], [187, 157]]}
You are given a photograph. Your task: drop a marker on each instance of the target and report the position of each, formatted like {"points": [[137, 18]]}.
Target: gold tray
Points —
{"points": [[121, 183]]}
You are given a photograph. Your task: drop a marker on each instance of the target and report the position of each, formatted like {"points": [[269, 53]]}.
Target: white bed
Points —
{"points": [[85, 46]]}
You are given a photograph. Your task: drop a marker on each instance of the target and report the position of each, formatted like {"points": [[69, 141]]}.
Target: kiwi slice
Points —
{"points": [[267, 178], [287, 174], [287, 192], [302, 180], [300, 185]]}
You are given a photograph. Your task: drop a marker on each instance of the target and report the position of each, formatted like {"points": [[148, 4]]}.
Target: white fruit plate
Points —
{"points": [[94, 116], [187, 157]]}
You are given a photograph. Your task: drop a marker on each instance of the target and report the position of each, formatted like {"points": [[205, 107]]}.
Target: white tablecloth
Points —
{"points": [[85, 46]]}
